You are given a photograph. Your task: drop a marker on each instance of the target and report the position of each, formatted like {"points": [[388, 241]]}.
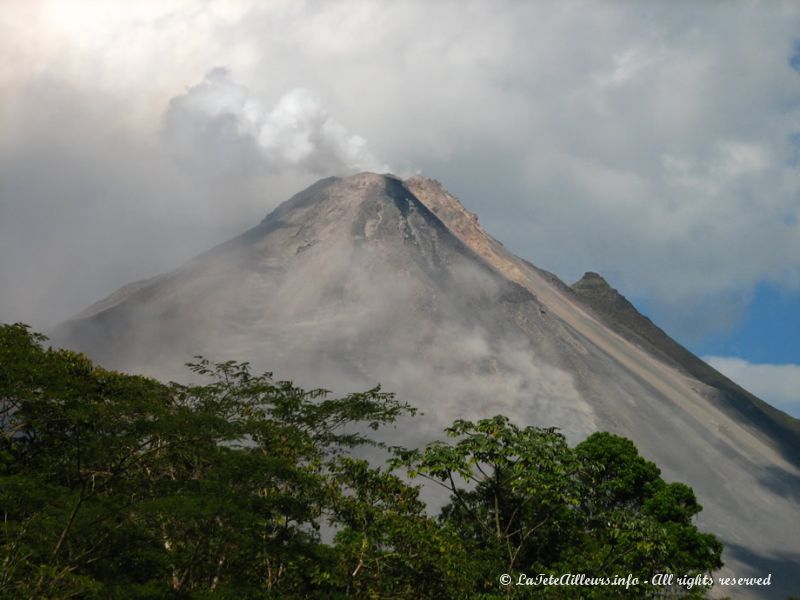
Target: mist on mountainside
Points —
{"points": [[370, 279]]}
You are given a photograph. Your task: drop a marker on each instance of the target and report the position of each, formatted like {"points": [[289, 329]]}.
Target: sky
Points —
{"points": [[656, 143]]}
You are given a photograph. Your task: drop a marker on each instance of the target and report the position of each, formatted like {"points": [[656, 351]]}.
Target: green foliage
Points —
{"points": [[525, 502], [119, 486]]}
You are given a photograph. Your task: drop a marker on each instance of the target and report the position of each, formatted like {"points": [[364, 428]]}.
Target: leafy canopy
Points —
{"points": [[241, 486]]}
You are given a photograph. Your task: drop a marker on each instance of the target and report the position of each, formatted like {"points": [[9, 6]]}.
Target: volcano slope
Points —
{"points": [[371, 279]]}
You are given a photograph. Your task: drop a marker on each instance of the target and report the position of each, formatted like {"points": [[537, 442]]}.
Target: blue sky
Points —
{"points": [[760, 350], [769, 330], [655, 143]]}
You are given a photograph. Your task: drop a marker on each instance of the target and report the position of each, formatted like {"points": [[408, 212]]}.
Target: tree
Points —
{"points": [[648, 522], [240, 486], [388, 546], [526, 502], [118, 486]]}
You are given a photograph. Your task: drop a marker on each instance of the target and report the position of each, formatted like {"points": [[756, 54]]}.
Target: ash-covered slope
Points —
{"points": [[618, 313], [372, 279]]}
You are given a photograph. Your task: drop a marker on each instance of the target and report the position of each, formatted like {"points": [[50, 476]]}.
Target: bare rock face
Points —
{"points": [[373, 279]]}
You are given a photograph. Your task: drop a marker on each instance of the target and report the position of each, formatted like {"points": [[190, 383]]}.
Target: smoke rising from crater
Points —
{"points": [[220, 124]]}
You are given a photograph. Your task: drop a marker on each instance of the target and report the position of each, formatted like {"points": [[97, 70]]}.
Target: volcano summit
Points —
{"points": [[370, 278]]}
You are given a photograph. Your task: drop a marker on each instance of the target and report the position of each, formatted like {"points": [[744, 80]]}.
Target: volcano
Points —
{"points": [[370, 278]]}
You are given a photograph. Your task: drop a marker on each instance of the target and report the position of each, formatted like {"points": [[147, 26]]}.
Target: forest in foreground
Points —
{"points": [[118, 486]]}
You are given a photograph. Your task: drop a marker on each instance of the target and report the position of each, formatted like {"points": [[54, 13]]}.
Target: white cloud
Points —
{"points": [[777, 384], [730, 163], [651, 143], [219, 123]]}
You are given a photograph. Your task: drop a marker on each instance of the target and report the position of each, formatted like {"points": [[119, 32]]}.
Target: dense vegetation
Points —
{"points": [[119, 486]]}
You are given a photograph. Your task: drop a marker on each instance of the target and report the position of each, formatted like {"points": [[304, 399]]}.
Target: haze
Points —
{"points": [[656, 143]]}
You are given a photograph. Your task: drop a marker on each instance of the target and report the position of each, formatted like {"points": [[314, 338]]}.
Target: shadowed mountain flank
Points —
{"points": [[619, 314], [371, 279]]}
